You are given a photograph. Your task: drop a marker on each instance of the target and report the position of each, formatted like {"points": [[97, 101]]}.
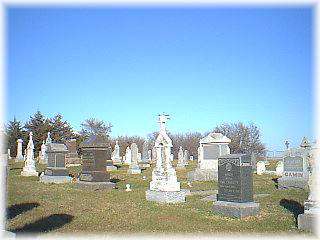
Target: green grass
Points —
{"points": [[117, 211]]}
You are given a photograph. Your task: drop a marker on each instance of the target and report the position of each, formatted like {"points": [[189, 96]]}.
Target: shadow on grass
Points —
{"points": [[275, 180], [114, 180], [17, 209], [294, 207], [16, 168], [46, 224]]}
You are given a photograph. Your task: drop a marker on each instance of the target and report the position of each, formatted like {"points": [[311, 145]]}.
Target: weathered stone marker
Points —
{"points": [[295, 174], [235, 194], [94, 159], [56, 171], [19, 156], [295, 167]]}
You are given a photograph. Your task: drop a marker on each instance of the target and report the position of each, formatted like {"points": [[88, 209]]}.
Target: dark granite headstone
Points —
{"points": [[94, 159], [235, 178], [235, 194]]}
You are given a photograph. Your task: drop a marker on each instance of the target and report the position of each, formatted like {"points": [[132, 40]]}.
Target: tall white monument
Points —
{"points": [[127, 159], [116, 154], [42, 155], [29, 168], [19, 156], [164, 186]]}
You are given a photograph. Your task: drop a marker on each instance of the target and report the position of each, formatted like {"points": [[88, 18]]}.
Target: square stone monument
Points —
{"points": [[56, 171], [211, 148], [235, 194], [94, 158], [164, 186]]}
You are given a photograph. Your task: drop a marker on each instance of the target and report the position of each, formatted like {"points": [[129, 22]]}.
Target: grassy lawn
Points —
{"points": [[38, 207]]}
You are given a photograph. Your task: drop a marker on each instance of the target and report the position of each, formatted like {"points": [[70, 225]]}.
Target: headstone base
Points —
{"points": [[144, 165], [234, 209], [111, 168], [19, 159], [95, 185], [308, 220], [55, 179], [285, 183], [203, 175], [134, 170], [181, 166], [29, 174], [167, 197]]}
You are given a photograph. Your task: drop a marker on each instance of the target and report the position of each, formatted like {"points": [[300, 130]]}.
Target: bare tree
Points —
{"points": [[244, 138]]}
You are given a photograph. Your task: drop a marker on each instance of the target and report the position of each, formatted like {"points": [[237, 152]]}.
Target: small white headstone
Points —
{"points": [[128, 189], [261, 167]]}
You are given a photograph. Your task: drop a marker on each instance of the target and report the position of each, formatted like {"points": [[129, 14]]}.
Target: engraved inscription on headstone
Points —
{"points": [[235, 179], [210, 152], [293, 164]]}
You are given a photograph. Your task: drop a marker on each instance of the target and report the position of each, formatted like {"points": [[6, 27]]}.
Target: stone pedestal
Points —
{"points": [[202, 175], [308, 220], [134, 169], [286, 183], [95, 185], [144, 165], [167, 197], [236, 209], [55, 179]]}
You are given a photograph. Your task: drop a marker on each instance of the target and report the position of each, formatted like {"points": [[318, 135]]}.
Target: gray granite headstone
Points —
{"points": [[94, 159], [235, 194], [295, 174]]}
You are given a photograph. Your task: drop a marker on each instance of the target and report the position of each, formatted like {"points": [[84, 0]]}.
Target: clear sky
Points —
{"points": [[203, 66]]}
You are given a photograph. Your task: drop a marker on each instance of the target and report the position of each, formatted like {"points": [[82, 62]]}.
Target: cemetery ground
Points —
{"points": [[36, 207]]}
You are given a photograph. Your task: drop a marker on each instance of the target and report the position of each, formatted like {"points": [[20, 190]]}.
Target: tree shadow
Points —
{"points": [[17, 209], [46, 224], [294, 207], [275, 180]]}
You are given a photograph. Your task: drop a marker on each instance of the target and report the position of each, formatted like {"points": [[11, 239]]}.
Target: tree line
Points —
{"points": [[244, 138]]}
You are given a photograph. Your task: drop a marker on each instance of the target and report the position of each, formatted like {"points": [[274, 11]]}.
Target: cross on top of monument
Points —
{"points": [[162, 120], [287, 144]]}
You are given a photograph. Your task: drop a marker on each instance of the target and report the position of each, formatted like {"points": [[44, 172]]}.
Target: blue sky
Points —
{"points": [[203, 66]]}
